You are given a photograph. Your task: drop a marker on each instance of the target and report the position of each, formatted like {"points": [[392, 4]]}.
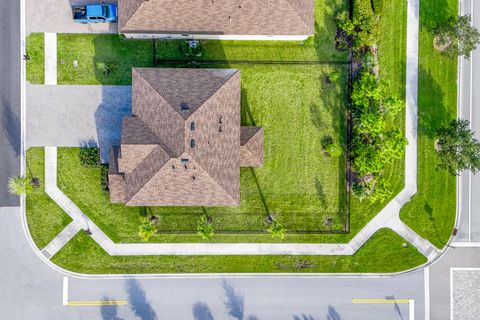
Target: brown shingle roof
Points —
{"points": [[160, 163], [230, 17], [116, 181], [251, 146]]}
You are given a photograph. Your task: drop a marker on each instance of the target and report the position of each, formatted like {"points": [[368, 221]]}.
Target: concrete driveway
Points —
{"points": [[56, 16], [71, 116]]}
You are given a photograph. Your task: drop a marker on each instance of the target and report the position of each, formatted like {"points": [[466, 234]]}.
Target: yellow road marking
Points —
{"points": [[380, 301], [97, 303]]}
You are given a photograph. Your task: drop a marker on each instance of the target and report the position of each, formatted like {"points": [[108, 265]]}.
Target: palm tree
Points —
{"points": [[19, 185]]}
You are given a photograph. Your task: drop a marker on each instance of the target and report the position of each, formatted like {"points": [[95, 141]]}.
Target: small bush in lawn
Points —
{"points": [[277, 230], [146, 230], [330, 147], [334, 76], [205, 227], [90, 156], [106, 68]]}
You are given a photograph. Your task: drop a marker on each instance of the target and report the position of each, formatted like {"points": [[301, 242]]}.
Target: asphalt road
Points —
{"points": [[31, 290], [469, 108], [9, 97], [440, 303]]}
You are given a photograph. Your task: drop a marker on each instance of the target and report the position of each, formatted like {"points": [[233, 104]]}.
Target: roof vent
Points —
{"points": [[184, 107]]}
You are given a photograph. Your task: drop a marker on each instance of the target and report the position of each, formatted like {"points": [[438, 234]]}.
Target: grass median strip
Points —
{"points": [[384, 252], [431, 213]]}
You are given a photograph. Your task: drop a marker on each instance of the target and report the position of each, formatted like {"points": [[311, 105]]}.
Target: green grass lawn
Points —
{"points": [[91, 49], [45, 218], [431, 213], [382, 253], [36, 53], [300, 185]]}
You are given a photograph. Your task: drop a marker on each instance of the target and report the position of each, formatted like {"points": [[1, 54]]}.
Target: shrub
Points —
{"points": [[382, 190], [146, 230], [334, 76], [330, 147], [205, 227], [106, 68], [277, 230], [104, 177], [377, 6], [90, 156]]}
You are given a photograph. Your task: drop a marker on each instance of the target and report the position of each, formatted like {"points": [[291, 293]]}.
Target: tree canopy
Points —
{"points": [[457, 36], [457, 148]]}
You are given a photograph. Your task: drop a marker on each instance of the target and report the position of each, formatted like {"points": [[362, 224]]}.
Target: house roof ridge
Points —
{"points": [[302, 19], [216, 91], [140, 167]]}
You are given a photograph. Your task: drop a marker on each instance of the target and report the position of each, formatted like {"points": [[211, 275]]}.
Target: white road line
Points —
{"points": [[65, 291], [451, 294], [473, 244], [426, 284], [411, 309], [470, 119]]}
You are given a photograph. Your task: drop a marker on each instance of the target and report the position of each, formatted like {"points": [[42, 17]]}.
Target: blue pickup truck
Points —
{"points": [[95, 13]]}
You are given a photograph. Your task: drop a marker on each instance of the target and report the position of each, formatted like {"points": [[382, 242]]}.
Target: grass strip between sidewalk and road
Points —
{"points": [[431, 212], [384, 253]]}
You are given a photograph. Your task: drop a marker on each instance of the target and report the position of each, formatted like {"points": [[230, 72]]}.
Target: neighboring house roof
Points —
{"points": [[228, 17], [182, 145], [251, 146]]}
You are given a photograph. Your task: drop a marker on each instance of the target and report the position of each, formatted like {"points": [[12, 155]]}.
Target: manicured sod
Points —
{"points": [[44, 217], [90, 51], [382, 253], [431, 213], [36, 55]]}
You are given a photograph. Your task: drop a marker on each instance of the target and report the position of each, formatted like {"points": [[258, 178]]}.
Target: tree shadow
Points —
{"points": [[201, 311], [234, 301], [246, 114], [333, 314], [315, 117], [11, 126], [429, 210], [430, 95], [109, 312], [303, 316], [260, 192], [396, 306], [321, 192], [138, 301], [433, 12]]}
